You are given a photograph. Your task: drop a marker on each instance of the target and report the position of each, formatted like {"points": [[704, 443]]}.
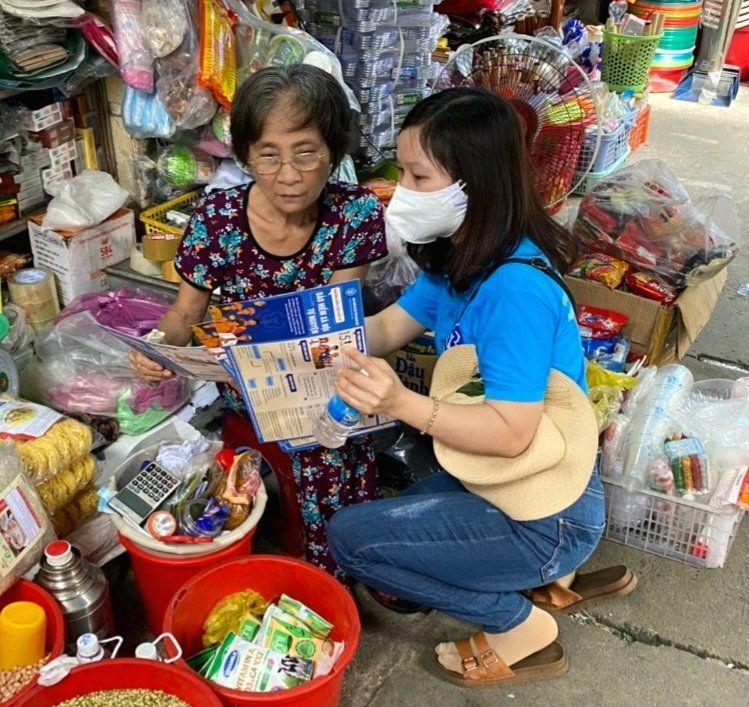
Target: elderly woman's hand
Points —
{"points": [[372, 387], [147, 370]]}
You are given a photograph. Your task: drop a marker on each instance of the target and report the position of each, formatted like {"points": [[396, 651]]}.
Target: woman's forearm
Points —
{"points": [[478, 429], [176, 328]]}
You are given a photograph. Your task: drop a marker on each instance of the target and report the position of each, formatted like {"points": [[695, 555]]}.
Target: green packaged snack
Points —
{"points": [[241, 665], [316, 623]]}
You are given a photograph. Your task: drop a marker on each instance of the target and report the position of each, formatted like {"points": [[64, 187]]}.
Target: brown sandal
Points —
{"points": [[489, 670], [587, 589]]}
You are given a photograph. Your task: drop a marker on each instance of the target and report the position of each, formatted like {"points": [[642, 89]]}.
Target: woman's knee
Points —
{"points": [[344, 528]]}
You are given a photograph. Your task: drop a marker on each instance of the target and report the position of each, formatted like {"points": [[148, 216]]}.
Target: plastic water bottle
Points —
{"points": [[335, 423]]}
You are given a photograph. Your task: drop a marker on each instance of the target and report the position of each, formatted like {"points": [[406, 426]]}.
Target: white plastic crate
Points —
{"points": [[685, 531], [592, 178]]}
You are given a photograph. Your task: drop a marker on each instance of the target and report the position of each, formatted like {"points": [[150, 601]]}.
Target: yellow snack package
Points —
{"points": [[229, 614]]}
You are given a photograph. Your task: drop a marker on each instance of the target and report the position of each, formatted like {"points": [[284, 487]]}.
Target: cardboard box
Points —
{"points": [[62, 154], [415, 362], [78, 259], [664, 334], [55, 135], [43, 118]]}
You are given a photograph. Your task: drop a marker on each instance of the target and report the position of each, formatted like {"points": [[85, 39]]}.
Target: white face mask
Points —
{"points": [[422, 217]]}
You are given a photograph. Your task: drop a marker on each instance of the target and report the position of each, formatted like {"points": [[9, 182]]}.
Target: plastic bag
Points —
{"points": [[189, 104], [99, 36], [46, 441], [218, 51], [130, 311], [81, 369], [229, 613], [643, 216], [24, 527], [164, 25], [388, 277], [63, 487], [84, 201], [238, 486], [144, 115], [136, 60], [81, 508]]}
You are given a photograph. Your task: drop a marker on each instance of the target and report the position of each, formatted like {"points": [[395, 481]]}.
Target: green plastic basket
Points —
{"points": [[626, 61]]}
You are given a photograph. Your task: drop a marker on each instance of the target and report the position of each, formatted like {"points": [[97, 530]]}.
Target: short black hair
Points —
{"points": [[317, 98], [477, 137]]}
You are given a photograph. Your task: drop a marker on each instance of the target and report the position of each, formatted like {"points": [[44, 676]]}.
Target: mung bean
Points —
{"points": [[125, 698], [13, 681]]}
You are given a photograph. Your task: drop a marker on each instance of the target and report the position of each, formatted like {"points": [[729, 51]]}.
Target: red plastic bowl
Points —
{"points": [[123, 674]]}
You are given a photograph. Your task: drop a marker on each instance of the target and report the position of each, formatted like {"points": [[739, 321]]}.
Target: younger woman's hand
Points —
{"points": [[371, 387]]}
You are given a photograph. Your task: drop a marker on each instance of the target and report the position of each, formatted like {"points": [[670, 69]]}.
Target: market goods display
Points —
{"points": [[287, 642], [644, 216]]}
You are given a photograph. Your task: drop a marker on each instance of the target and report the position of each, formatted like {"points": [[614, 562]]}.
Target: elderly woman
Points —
{"points": [[289, 229]]}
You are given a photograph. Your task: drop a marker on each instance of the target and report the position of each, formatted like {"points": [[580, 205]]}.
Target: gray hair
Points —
{"points": [[313, 95]]}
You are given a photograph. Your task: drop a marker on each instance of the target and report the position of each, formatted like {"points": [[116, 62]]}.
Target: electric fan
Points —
{"points": [[552, 96]]}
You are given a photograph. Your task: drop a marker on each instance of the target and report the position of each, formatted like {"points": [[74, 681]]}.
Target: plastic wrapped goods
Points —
{"points": [[24, 526], [643, 216]]}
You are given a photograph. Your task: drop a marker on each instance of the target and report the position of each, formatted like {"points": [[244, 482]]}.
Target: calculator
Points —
{"points": [[145, 493]]}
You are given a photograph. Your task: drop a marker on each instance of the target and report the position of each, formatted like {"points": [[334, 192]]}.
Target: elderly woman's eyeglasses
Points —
{"points": [[302, 162]]}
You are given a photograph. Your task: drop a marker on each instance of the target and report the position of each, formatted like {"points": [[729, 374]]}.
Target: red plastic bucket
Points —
{"points": [[54, 640], [123, 674], [158, 577], [270, 576]]}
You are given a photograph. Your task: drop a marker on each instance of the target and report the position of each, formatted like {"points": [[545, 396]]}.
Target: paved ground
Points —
{"points": [[681, 638]]}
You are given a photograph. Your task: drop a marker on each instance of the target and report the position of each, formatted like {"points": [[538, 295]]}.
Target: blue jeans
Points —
{"points": [[443, 547]]}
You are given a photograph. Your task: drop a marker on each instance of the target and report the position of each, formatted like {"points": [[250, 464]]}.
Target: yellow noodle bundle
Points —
{"points": [[61, 446], [82, 507], [62, 488]]}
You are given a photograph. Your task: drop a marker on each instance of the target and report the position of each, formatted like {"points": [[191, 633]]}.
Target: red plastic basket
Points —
{"points": [[639, 135], [124, 674], [270, 576]]}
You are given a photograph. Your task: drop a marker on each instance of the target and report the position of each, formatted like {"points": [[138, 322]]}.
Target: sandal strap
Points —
{"points": [[470, 667], [555, 596], [493, 666]]}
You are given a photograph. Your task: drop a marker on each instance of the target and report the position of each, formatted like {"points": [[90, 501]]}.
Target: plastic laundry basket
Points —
{"points": [[626, 60], [123, 674], [270, 576]]}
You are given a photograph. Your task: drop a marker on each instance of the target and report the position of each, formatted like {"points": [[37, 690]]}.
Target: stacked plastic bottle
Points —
{"points": [[385, 48]]}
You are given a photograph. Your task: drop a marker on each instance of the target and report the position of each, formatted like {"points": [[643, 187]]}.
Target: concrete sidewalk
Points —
{"points": [[681, 637]]}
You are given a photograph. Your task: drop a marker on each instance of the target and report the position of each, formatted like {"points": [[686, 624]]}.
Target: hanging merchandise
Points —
{"points": [[218, 55], [99, 36], [189, 103], [164, 25], [145, 116], [185, 167], [136, 60]]}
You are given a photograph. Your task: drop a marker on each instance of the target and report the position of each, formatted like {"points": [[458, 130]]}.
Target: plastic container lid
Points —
{"points": [[87, 645], [58, 553], [146, 651]]}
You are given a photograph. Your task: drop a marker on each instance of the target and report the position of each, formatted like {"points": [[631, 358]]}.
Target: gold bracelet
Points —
{"points": [[433, 416]]}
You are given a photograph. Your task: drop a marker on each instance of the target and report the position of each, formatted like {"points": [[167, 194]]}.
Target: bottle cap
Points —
{"points": [[58, 553], [225, 458], [146, 651], [161, 524], [87, 645]]}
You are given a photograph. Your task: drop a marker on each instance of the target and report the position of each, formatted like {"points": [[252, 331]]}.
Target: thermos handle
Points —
{"points": [[174, 643], [118, 639]]}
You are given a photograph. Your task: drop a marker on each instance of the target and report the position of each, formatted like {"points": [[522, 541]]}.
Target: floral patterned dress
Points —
{"points": [[219, 251]]}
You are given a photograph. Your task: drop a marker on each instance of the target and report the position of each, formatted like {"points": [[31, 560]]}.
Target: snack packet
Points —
{"points": [[598, 323], [647, 286], [241, 665], [603, 268], [283, 633]]}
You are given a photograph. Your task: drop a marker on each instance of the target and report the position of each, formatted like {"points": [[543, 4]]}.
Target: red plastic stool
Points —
{"points": [[238, 433]]}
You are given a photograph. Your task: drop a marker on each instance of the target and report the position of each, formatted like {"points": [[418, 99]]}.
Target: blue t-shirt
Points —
{"points": [[521, 322]]}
